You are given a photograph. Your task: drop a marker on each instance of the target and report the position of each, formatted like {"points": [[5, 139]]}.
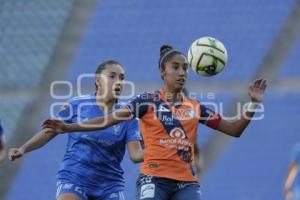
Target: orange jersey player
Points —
{"points": [[169, 133], [169, 122]]}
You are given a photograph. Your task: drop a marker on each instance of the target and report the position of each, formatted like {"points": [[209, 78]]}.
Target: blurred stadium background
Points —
{"points": [[44, 41]]}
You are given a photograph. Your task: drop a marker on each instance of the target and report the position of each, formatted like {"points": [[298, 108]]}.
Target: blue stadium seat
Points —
{"points": [[136, 29], [10, 113], [290, 68], [254, 166], [29, 30]]}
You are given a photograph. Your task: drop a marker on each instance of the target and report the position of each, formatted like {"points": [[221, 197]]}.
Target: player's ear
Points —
{"points": [[162, 72], [98, 83]]}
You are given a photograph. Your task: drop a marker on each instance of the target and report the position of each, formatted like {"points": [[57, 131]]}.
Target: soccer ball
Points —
{"points": [[207, 56]]}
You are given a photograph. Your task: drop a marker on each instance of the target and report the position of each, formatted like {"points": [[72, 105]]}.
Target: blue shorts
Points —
{"points": [[157, 188], [67, 187]]}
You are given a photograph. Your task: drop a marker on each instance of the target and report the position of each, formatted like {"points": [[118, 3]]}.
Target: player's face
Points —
{"points": [[110, 81], [175, 72]]}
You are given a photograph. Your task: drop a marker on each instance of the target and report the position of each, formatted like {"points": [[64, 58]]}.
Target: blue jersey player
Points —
{"points": [[292, 183], [90, 169], [1, 142]]}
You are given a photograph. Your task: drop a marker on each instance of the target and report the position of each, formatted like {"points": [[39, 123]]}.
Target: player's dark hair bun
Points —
{"points": [[164, 49]]}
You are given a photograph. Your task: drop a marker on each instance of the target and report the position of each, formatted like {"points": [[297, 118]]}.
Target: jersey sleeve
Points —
{"points": [[209, 117], [1, 128], [1, 142], [138, 106], [67, 112], [1, 136], [132, 133]]}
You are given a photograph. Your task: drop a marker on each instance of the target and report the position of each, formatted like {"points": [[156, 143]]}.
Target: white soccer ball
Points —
{"points": [[207, 56]]}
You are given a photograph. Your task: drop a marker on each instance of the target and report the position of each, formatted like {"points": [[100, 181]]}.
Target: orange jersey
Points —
{"points": [[169, 134]]}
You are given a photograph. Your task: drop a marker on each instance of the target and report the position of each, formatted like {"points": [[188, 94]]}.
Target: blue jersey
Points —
{"points": [[93, 159], [1, 136], [1, 129], [296, 159]]}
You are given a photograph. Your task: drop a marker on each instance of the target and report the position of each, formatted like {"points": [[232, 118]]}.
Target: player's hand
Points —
{"points": [[56, 125], [288, 195], [2, 155], [257, 89], [14, 153]]}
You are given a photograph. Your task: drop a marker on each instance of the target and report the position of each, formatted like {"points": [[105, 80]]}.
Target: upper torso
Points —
{"points": [[169, 135], [93, 159], [1, 136]]}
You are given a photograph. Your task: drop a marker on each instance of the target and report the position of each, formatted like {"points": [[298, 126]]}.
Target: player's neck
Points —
{"points": [[106, 104], [172, 95]]}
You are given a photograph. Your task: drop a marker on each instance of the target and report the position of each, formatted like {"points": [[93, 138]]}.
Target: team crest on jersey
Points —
{"points": [[191, 112], [183, 114], [163, 109], [116, 129], [64, 106], [177, 133]]}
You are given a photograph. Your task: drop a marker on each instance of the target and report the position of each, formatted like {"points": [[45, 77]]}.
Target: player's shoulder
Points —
{"points": [[149, 95], [81, 99], [132, 123], [193, 101]]}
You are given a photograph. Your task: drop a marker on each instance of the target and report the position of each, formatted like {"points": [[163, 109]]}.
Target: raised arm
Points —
{"points": [[292, 173], [36, 142], [256, 92], [198, 160], [98, 123], [2, 149]]}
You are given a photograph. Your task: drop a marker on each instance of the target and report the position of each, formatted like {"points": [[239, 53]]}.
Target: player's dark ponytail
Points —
{"points": [[164, 49], [165, 54]]}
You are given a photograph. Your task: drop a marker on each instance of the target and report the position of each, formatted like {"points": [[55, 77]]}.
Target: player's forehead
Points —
{"points": [[113, 69], [178, 59]]}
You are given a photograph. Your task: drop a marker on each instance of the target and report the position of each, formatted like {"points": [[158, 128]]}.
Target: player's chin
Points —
{"points": [[179, 86], [116, 94]]}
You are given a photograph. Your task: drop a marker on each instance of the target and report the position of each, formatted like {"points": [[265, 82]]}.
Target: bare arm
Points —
{"points": [[2, 155], [292, 173], [2, 150], [37, 141], [136, 152], [97, 123], [198, 160], [236, 128]]}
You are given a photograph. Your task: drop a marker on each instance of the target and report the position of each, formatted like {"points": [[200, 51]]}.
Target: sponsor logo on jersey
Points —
{"points": [[116, 129], [147, 191], [153, 165], [177, 133], [167, 120], [183, 114]]}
